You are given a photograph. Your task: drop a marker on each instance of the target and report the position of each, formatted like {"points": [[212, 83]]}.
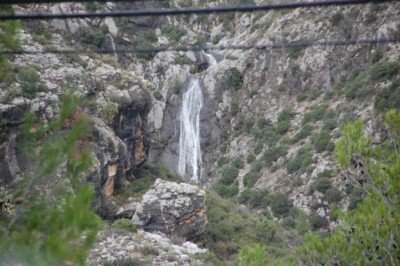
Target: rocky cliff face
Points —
{"points": [[277, 110]]}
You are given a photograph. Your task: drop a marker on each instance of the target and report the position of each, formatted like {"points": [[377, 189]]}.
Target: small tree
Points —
{"points": [[368, 234]]}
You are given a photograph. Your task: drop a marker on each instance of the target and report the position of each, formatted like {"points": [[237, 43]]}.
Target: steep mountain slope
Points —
{"points": [[269, 117]]}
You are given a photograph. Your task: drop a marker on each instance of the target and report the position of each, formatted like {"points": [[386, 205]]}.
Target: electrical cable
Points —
{"points": [[298, 44], [190, 10]]}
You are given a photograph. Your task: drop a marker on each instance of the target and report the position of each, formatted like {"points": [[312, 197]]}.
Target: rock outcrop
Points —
{"points": [[146, 247], [174, 209]]}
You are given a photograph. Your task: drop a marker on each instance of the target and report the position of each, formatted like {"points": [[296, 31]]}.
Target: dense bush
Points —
{"points": [[388, 97], [250, 158], [356, 196], [301, 162], [280, 205], [125, 224], [304, 132], [235, 78], [238, 163], [383, 70], [29, 79], [173, 33], [251, 178], [322, 184], [222, 161], [317, 221], [326, 173], [231, 227], [333, 195], [322, 142], [263, 123], [315, 114], [228, 175], [145, 176], [284, 119], [273, 154], [226, 191], [108, 112], [158, 95]]}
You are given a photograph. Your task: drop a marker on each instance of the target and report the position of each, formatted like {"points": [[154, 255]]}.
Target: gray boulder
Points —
{"points": [[174, 209]]}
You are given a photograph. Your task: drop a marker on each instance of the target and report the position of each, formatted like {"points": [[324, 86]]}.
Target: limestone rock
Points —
{"points": [[173, 208]]}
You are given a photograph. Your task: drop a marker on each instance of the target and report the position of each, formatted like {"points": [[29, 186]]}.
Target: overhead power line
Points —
{"points": [[12, 2], [191, 10], [299, 44]]}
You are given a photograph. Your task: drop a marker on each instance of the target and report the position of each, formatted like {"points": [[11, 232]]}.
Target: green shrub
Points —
{"points": [[227, 191], [229, 223], [251, 178], [314, 94], [7, 75], [301, 162], [322, 184], [90, 37], [149, 250], [288, 223], [301, 97], [388, 97], [336, 18], [304, 132], [356, 197], [250, 158], [263, 123], [234, 110], [228, 175], [302, 223], [254, 255], [238, 163], [258, 148], [235, 78], [358, 88], [317, 221], [109, 111], [29, 78], [383, 70], [280, 205], [145, 176], [245, 195], [333, 195], [222, 161], [127, 261], [322, 142], [326, 173], [125, 224], [173, 33], [284, 118], [256, 166], [315, 114], [329, 124], [294, 52], [259, 198], [158, 95], [273, 154]]}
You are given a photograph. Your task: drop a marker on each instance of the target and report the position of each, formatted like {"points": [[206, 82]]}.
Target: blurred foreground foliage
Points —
{"points": [[369, 234], [56, 225]]}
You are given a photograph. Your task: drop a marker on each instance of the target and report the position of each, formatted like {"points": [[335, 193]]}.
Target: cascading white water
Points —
{"points": [[113, 46], [190, 161], [210, 59], [189, 139]]}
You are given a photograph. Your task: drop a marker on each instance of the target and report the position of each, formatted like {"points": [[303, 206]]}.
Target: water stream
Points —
{"points": [[190, 162]]}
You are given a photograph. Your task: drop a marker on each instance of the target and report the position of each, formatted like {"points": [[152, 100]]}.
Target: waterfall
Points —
{"points": [[113, 46], [189, 140], [210, 59]]}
